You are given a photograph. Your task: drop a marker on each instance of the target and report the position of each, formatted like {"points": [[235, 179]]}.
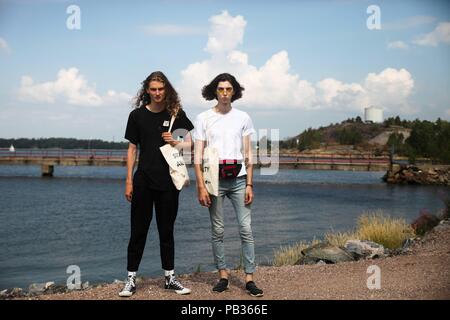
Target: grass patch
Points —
{"points": [[382, 229], [339, 239], [373, 226], [289, 255], [377, 227]]}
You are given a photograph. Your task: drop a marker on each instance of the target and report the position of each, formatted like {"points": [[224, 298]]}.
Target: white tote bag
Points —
{"points": [[177, 167], [211, 170]]}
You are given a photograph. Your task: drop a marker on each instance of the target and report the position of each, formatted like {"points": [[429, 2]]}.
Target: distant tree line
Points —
{"points": [[348, 132], [62, 143], [389, 122], [427, 139]]}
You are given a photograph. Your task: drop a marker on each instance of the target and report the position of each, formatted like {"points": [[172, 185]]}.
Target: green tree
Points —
{"points": [[430, 139], [309, 139], [443, 140], [349, 136], [423, 138], [395, 142]]}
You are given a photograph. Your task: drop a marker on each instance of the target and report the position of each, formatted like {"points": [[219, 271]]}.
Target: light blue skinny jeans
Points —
{"points": [[233, 189]]}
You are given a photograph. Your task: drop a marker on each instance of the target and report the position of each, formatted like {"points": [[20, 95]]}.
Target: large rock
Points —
{"points": [[11, 293], [414, 175], [443, 225], [45, 288], [85, 285], [49, 285], [308, 260], [55, 289], [36, 288], [364, 249], [325, 252]]}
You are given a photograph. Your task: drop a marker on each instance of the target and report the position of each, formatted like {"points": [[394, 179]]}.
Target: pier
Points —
{"points": [[49, 158]]}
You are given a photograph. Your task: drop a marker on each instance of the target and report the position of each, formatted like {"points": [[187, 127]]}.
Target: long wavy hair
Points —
{"points": [[172, 102]]}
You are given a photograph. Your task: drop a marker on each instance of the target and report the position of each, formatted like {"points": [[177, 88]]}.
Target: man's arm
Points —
{"points": [[131, 161], [202, 193], [186, 144], [248, 161]]}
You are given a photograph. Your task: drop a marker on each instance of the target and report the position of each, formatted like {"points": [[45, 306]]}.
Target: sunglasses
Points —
{"points": [[222, 90]]}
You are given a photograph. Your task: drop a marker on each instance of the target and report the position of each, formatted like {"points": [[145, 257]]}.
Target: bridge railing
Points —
{"points": [[98, 154], [121, 154], [327, 158]]}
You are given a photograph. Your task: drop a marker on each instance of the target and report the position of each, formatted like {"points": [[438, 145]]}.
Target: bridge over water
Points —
{"points": [[48, 158]]}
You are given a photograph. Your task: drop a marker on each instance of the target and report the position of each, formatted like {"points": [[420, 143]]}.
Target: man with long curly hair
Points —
{"points": [[151, 184]]}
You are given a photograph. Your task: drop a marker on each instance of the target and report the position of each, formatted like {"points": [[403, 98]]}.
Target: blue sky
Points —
{"points": [[303, 63]]}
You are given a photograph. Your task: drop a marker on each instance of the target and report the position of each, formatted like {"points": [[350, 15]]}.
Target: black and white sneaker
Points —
{"points": [[130, 287], [173, 284], [253, 290]]}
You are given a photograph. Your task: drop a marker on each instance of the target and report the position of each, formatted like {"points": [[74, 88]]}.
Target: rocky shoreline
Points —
{"points": [[355, 254], [49, 288], [409, 174]]}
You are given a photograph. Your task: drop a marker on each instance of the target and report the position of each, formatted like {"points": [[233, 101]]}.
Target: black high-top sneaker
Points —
{"points": [[130, 287], [173, 284]]}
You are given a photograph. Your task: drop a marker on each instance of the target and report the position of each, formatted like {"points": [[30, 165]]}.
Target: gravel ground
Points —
{"points": [[423, 273]]}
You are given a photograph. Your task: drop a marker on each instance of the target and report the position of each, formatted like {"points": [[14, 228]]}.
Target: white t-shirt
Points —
{"points": [[224, 132]]}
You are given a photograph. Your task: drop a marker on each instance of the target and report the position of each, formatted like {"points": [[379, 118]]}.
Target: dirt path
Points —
{"points": [[424, 273]]}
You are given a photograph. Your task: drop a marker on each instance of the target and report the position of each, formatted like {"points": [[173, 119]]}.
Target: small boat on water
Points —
{"points": [[12, 149]]}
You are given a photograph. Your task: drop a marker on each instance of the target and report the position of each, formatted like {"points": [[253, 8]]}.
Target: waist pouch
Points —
{"points": [[229, 169]]}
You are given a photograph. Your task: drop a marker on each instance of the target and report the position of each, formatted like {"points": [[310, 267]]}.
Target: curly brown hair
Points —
{"points": [[172, 101], [209, 91]]}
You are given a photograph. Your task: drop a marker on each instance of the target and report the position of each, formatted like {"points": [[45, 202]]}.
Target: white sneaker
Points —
{"points": [[130, 287], [173, 284]]}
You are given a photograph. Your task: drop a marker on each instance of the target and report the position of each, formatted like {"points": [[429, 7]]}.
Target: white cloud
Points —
{"points": [[447, 112], [71, 87], [273, 85], [390, 88], [441, 34], [226, 33], [337, 95], [172, 30], [4, 46], [397, 45]]}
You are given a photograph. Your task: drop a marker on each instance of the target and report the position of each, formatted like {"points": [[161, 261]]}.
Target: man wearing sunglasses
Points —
{"points": [[228, 130]]}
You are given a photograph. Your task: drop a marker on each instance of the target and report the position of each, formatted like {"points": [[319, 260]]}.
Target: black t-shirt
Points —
{"points": [[144, 128]]}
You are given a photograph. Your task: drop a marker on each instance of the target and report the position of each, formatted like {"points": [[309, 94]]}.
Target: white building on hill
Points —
{"points": [[373, 114]]}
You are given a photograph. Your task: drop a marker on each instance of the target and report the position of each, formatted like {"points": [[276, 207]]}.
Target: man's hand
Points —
{"points": [[129, 190], [167, 137], [203, 197], [248, 195]]}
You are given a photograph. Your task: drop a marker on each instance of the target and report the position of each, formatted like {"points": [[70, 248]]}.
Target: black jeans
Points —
{"points": [[166, 208]]}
